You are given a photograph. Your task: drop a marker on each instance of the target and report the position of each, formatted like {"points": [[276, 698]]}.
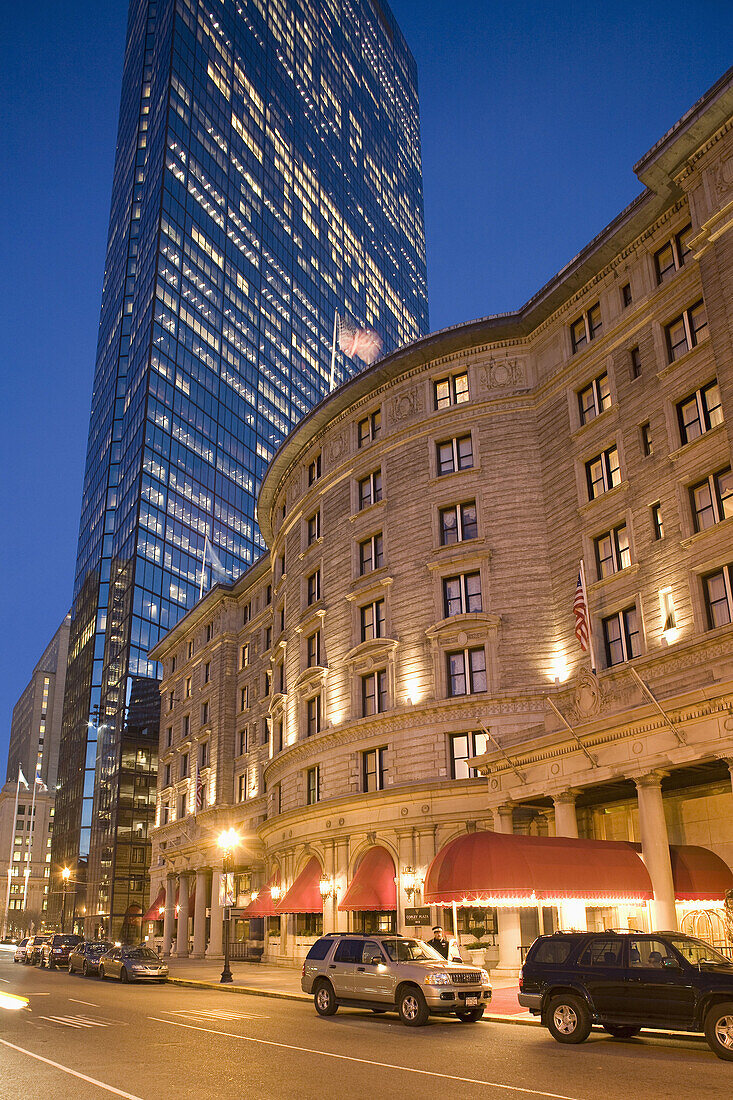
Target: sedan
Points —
{"points": [[133, 964], [19, 955], [85, 956]]}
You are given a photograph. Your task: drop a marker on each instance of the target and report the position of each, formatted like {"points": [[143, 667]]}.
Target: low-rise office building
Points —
{"points": [[402, 667]]}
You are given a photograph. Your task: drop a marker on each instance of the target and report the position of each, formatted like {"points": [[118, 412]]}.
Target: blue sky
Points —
{"points": [[532, 117]]}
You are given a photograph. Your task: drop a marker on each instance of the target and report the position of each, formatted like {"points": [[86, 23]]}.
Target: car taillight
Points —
{"points": [[521, 981], [302, 973], [58, 950]]}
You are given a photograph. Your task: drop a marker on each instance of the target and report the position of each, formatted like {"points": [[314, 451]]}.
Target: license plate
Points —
{"points": [[471, 1000]]}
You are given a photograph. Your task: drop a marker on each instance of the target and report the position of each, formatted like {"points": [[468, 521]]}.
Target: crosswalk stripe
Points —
{"points": [[75, 1021]]}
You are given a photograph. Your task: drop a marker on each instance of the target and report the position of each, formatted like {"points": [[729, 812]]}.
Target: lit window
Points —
{"points": [[464, 746], [594, 399], [670, 257], [370, 489], [313, 786], [374, 693], [712, 499], [603, 473], [686, 331], [243, 697], [314, 528], [466, 672], [369, 428], [613, 552], [371, 554], [462, 594], [450, 391], [374, 770], [244, 656], [458, 523], [657, 524], [622, 636], [646, 439], [242, 788], [314, 469], [700, 412], [455, 454], [718, 588], [372, 621], [586, 328]]}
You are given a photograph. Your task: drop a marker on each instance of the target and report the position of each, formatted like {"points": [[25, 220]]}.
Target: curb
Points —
{"points": [[246, 990]]}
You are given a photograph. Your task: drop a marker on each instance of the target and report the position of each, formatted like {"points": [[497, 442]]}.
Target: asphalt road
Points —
{"points": [[83, 1039]]}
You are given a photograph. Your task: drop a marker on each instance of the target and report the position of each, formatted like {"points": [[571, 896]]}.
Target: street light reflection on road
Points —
{"points": [[12, 1003]]}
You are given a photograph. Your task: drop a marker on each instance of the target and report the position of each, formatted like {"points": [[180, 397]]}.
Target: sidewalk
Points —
{"points": [[267, 980]]}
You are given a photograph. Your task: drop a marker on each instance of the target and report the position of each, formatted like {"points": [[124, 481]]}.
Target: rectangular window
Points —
{"points": [[622, 636], [657, 525], [686, 331], [242, 788], [371, 554], [372, 621], [374, 771], [244, 656], [280, 676], [370, 427], [279, 740], [635, 358], [626, 298], [314, 528], [173, 667], [184, 765], [166, 814], [314, 587], [171, 700], [647, 447], [370, 489], [188, 687], [374, 693], [313, 786], [243, 698], [265, 731], [204, 714], [268, 595], [462, 594], [246, 613], [451, 391], [594, 399], [700, 412], [167, 775], [314, 649], [186, 726], [466, 672], [190, 650], [209, 628], [603, 473], [314, 469], [718, 588], [712, 499], [586, 328], [313, 715], [268, 637], [455, 454], [204, 754], [169, 737], [282, 570], [670, 257], [277, 799], [268, 681], [458, 523], [463, 746], [207, 672], [613, 552], [243, 741]]}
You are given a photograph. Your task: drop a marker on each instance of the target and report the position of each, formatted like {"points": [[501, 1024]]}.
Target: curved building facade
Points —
{"points": [[403, 666]]}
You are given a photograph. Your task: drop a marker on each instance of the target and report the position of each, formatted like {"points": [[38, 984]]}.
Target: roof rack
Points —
{"points": [[366, 935]]}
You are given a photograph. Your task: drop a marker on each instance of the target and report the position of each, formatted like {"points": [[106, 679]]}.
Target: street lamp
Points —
{"points": [[228, 841], [65, 874]]}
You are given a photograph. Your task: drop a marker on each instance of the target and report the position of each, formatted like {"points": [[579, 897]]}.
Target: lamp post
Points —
{"points": [[227, 842], [65, 874]]}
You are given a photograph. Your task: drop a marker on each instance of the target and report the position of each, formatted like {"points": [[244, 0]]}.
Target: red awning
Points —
{"points": [[699, 874], [264, 904], [154, 912], [304, 896], [487, 868], [373, 885]]}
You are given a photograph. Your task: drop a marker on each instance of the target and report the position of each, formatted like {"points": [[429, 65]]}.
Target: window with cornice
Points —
{"points": [[462, 594]]}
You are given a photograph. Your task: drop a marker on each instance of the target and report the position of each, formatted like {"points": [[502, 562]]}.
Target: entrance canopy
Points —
{"points": [[699, 874], [373, 885], [304, 896], [264, 904], [155, 912], [501, 869]]}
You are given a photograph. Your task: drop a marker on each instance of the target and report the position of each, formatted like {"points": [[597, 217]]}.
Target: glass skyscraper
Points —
{"points": [[267, 176]]}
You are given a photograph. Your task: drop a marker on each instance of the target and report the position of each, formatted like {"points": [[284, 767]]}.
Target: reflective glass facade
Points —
{"points": [[267, 176]]}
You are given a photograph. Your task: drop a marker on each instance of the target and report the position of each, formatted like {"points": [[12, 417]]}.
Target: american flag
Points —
{"points": [[363, 342], [580, 609], [199, 790]]}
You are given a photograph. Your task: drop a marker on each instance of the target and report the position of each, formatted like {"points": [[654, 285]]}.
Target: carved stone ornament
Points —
{"points": [[406, 405], [724, 176], [588, 698], [501, 374], [336, 446], [294, 487]]}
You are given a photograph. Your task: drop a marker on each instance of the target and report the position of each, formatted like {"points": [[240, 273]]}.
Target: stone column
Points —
{"points": [[573, 914], [215, 950], [199, 913], [510, 931], [341, 869], [169, 915], [655, 850], [330, 904], [182, 936], [405, 859]]}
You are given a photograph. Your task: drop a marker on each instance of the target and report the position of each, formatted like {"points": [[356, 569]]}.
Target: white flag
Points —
{"points": [[21, 778], [216, 567], [42, 786]]}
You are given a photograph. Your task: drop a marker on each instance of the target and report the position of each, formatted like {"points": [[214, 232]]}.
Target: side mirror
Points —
{"points": [[376, 960]]}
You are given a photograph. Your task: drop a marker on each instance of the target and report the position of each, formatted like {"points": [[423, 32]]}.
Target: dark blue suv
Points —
{"points": [[627, 981]]}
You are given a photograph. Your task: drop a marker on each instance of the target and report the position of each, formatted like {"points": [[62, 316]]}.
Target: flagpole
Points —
{"points": [[10, 857], [587, 613], [332, 385], [27, 869]]}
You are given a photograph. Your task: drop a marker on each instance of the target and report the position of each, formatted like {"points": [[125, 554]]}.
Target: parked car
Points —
{"points": [[19, 955], [133, 964], [628, 981], [34, 947], [56, 950], [388, 972], [86, 955]]}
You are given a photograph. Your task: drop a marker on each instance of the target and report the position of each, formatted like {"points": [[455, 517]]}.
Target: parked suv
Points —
{"points": [[56, 950], [627, 981], [388, 972], [34, 947]]}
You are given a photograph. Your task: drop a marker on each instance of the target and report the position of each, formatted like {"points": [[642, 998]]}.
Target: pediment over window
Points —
{"points": [[462, 629], [371, 654], [311, 679]]}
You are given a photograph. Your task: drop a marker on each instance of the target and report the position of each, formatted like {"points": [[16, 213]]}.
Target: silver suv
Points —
{"points": [[384, 973]]}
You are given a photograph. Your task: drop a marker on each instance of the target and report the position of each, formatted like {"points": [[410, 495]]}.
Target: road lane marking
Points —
{"points": [[72, 1072], [78, 1002], [369, 1062], [76, 1021], [214, 1014]]}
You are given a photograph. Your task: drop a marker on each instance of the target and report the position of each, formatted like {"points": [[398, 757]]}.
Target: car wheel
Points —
{"points": [[70, 969], [51, 964], [124, 976], [621, 1031], [102, 973], [470, 1015], [324, 999], [719, 1030], [568, 1019], [412, 1007]]}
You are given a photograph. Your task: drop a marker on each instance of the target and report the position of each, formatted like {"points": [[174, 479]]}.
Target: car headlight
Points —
{"points": [[485, 977], [438, 978]]}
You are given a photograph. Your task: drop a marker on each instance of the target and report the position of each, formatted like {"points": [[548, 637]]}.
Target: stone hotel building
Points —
{"points": [[401, 670]]}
